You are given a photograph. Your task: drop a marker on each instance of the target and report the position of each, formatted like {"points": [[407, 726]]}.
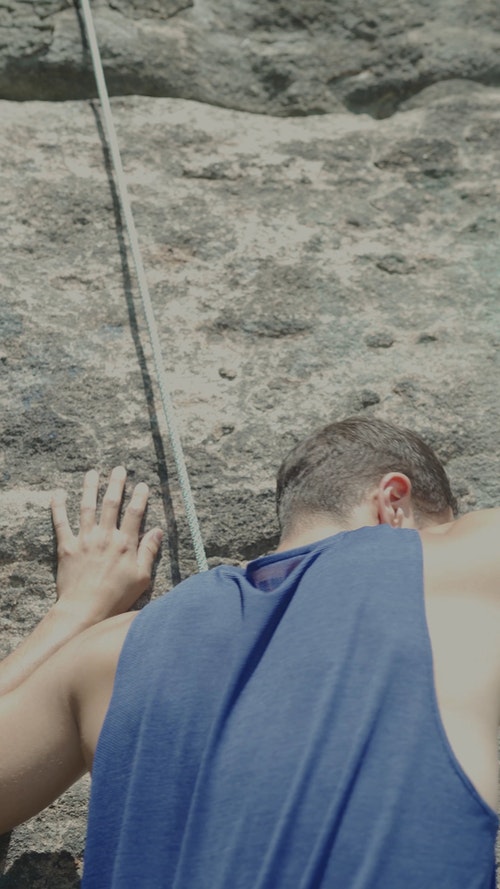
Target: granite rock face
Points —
{"points": [[286, 58], [301, 270]]}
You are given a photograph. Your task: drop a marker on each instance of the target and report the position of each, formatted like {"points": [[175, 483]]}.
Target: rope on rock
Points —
{"points": [[168, 407]]}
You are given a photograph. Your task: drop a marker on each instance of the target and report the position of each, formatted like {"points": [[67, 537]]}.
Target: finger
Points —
{"points": [[88, 503], [134, 512], [60, 519], [113, 498], [148, 551]]}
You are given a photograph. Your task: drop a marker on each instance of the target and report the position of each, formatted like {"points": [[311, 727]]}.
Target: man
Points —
{"points": [[326, 717]]}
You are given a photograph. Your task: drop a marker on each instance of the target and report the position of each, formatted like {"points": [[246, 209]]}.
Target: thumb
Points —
{"points": [[149, 548]]}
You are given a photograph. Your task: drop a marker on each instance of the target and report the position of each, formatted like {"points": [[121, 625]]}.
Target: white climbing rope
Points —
{"points": [[168, 407]]}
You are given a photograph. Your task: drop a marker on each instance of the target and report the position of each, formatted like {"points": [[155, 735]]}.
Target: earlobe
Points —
{"points": [[385, 512], [398, 518]]}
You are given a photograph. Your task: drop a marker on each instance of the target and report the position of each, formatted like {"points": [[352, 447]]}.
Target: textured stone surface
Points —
{"points": [[301, 270], [295, 57]]}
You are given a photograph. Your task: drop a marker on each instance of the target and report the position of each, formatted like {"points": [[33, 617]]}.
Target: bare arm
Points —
{"points": [[50, 723], [101, 572], [40, 752], [56, 627]]}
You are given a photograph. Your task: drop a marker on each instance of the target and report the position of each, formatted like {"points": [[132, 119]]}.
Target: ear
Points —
{"points": [[393, 498]]}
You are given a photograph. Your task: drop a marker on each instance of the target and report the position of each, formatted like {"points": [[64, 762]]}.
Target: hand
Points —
{"points": [[104, 569]]}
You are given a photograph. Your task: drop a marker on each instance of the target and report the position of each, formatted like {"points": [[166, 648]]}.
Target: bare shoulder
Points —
{"points": [[480, 520], [461, 564], [95, 658], [464, 555]]}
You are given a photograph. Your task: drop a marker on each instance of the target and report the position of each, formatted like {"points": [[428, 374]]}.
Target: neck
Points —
{"points": [[296, 539], [321, 526], [313, 533]]}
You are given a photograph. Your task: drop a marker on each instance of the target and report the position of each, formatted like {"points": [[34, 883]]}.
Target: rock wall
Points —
{"points": [[287, 58], [302, 269]]}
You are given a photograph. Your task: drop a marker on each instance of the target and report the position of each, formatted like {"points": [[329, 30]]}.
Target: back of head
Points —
{"points": [[331, 471]]}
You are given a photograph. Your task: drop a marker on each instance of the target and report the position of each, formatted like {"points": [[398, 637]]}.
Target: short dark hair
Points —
{"points": [[331, 470]]}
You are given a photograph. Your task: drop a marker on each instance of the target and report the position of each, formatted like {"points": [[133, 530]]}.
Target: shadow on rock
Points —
{"points": [[42, 870]]}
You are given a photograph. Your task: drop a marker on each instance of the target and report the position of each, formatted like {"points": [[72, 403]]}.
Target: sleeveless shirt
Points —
{"points": [[277, 727]]}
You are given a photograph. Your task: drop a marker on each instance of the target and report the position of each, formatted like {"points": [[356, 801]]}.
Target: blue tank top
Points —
{"points": [[277, 727]]}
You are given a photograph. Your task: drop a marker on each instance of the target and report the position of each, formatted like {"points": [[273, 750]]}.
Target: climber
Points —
{"points": [[326, 716]]}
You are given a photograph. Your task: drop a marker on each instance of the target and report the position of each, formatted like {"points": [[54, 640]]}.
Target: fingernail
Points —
{"points": [[158, 535]]}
